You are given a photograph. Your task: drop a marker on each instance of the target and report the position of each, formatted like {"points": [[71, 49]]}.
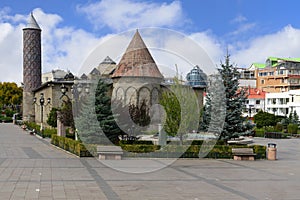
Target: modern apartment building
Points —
{"points": [[279, 75], [283, 103], [255, 102]]}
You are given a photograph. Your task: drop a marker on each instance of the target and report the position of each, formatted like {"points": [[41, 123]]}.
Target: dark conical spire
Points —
{"points": [[137, 60], [31, 23]]}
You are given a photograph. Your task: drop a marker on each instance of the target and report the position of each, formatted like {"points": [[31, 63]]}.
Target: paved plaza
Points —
{"points": [[31, 168]]}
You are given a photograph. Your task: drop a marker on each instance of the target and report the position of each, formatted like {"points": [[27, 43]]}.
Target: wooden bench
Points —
{"points": [[243, 154], [109, 152]]}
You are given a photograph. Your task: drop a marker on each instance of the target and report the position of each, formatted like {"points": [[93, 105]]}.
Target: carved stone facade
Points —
{"points": [[31, 66]]}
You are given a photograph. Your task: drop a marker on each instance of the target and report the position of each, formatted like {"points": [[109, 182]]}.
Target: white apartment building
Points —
{"points": [[283, 103]]}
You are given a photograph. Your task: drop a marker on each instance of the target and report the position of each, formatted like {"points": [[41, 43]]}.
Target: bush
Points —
{"points": [[259, 132], [292, 128], [5, 119], [186, 151], [123, 142], [278, 127], [140, 148], [70, 145]]}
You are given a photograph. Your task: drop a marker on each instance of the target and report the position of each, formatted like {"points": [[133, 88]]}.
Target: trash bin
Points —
{"points": [[271, 151]]}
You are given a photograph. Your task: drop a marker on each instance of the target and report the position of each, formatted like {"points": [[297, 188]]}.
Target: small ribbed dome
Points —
{"points": [[196, 77]]}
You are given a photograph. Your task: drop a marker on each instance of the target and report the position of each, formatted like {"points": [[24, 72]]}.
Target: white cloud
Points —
{"points": [[284, 43], [62, 47], [121, 15]]}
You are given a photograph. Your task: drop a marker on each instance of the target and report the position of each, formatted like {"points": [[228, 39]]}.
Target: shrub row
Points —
{"points": [[48, 132], [185, 151], [123, 142], [70, 145]]}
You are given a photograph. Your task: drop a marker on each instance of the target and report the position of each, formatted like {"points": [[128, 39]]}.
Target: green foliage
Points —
{"points": [[104, 113], [188, 151], [5, 119], [52, 117], [292, 128], [124, 142], [278, 127], [140, 148], [259, 132], [87, 125], [234, 101], [260, 151], [47, 132], [70, 145], [10, 94], [262, 119], [67, 114], [181, 106], [9, 112]]}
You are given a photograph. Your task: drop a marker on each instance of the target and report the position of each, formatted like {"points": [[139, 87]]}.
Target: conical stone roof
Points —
{"points": [[137, 61], [32, 24]]}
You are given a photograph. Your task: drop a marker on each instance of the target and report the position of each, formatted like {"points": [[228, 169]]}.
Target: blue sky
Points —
{"points": [[251, 30]]}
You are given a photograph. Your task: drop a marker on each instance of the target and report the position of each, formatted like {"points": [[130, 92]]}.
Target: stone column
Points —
{"points": [[61, 129]]}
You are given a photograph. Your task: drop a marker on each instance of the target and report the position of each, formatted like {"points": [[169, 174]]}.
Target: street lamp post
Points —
{"points": [[42, 104]]}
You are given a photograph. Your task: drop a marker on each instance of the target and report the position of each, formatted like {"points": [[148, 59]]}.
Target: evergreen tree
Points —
{"points": [[214, 110], [87, 125], [234, 102], [105, 114], [52, 117], [234, 125]]}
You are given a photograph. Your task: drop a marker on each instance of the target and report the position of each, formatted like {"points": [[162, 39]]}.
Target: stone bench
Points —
{"points": [[243, 154], [109, 152]]}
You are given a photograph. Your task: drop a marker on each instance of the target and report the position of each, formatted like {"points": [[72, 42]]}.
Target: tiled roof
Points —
{"points": [[137, 61], [254, 93]]}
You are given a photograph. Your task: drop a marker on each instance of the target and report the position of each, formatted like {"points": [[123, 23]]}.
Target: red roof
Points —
{"points": [[254, 93], [137, 61]]}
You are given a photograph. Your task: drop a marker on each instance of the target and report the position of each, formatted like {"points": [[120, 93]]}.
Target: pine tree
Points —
{"points": [[230, 105], [87, 125], [234, 125], [105, 114]]}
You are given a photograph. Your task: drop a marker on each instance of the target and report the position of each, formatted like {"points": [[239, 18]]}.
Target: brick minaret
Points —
{"points": [[31, 65]]}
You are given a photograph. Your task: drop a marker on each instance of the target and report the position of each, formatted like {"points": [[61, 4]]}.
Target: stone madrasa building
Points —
{"points": [[136, 78]]}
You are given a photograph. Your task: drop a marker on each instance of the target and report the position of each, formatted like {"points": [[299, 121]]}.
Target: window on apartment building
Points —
{"points": [[292, 98], [281, 72], [257, 102], [247, 101], [287, 100], [262, 81], [282, 80], [274, 101], [256, 110], [271, 73]]}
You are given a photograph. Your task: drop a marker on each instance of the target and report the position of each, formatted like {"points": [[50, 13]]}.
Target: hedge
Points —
{"points": [[186, 151], [73, 146], [48, 132]]}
